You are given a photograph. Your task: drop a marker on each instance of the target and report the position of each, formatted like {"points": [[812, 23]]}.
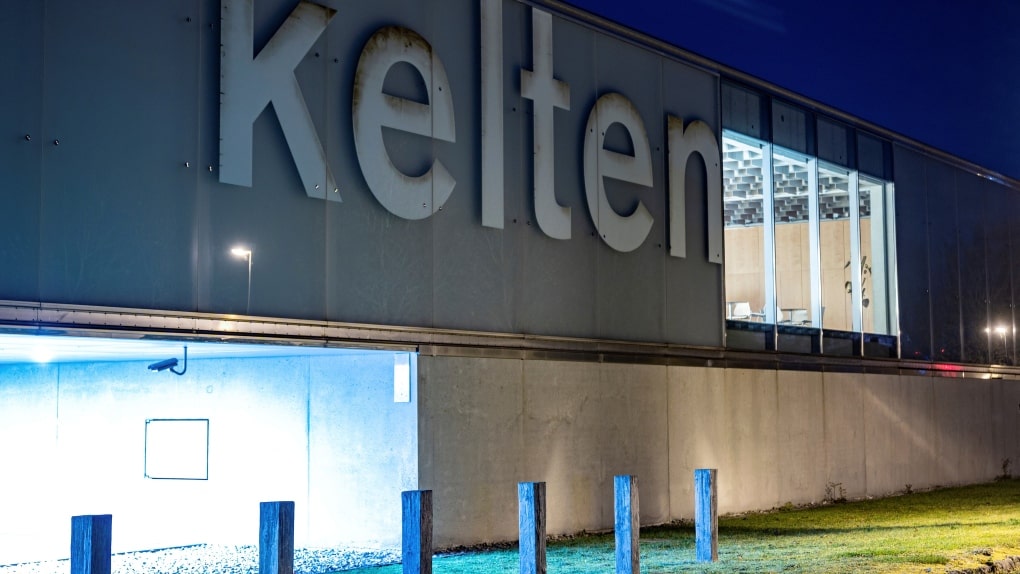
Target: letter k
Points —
{"points": [[248, 85]]}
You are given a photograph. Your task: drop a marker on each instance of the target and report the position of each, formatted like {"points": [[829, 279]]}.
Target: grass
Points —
{"points": [[921, 532]]}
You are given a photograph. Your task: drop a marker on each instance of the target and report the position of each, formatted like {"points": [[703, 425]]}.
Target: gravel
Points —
{"points": [[209, 559]]}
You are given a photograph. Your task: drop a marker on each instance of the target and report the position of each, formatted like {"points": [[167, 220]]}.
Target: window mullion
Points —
{"points": [[769, 243], [856, 291], [814, 251]]}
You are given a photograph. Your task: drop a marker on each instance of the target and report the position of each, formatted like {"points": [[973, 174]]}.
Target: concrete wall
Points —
{"points": [[775, 436], [486, 424], [362, 451], [322, 431]]}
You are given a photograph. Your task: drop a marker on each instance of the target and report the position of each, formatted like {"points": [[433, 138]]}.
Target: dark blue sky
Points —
{"points": [[946, 73]]}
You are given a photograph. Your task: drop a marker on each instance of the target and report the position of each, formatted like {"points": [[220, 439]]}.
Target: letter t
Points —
{"points": [[547, 93]]}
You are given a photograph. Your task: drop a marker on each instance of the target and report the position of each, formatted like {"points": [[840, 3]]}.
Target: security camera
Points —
{"points": [[169, 364], [163, 365]]}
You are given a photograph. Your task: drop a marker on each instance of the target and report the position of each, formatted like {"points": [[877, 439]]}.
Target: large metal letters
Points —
{"points": [[697, 138], [621, 232], [402, 195], [546, 93], [250, 84]]}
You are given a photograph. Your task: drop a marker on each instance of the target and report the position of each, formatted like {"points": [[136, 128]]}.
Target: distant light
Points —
{"points": [[41, 353], [1000, 330], [242, 252]]}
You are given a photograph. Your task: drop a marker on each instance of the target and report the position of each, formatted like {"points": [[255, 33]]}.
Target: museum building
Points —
{"points": [[327, 252]]}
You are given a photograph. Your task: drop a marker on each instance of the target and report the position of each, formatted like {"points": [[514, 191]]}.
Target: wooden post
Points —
{"points": [[706, 515], [276, 537], [91, 538], [531, 504], [628, 525], [416, 548]]}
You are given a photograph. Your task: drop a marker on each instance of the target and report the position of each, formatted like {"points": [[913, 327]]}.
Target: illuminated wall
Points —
{"points": [[776, 437], [322, 431]]}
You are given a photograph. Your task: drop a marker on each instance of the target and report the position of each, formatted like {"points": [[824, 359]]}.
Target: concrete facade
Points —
{"points": [[777, 437]]}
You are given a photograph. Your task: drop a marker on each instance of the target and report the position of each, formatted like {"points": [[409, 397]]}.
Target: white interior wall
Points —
{"points": [[322, 431]]}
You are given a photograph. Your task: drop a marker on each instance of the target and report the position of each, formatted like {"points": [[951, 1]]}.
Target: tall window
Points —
{"points": [[808, 243], [793, 203], [748, 268], [837, 249], [878, 256]]}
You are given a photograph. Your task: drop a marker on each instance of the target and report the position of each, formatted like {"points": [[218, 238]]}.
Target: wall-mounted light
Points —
{"points": [[170, 364], [245, 253], [1001, 331], [41, 353], [998, 330]]}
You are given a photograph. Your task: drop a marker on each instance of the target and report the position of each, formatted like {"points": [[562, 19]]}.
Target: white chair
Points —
{"points": [[741, 311]]}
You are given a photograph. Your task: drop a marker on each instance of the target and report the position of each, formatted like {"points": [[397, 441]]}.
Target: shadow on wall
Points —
{"points": [[322, 431]]}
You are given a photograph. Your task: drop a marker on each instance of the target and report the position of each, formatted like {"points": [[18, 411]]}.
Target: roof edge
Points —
{"points": [[667, 49]]}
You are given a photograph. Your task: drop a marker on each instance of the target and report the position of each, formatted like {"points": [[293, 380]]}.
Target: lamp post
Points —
{"points": [[1001, 331], [245, 253]]}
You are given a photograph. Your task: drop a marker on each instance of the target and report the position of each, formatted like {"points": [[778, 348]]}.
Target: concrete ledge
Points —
{"points": [[92, 321]]}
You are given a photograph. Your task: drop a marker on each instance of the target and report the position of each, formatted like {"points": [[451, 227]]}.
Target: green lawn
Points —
{"points": [[921, 532]]}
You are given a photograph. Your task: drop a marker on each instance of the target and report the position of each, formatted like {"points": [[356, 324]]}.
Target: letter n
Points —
{"points": [[683, 143]]}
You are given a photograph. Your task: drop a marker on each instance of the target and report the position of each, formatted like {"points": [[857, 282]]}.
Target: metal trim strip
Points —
{"points": [[83, 320]]}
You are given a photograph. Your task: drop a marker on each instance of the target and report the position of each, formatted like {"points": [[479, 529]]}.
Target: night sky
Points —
{"points": [[944, 73]]}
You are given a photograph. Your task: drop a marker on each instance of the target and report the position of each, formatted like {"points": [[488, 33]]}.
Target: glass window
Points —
{"points": [[745, 219], [793, 177], [809, 243], [837, 237], [878, 257]]}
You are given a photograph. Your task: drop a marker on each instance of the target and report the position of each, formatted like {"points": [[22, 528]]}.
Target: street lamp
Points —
{"points": [[1001, 331], [245, 253]]}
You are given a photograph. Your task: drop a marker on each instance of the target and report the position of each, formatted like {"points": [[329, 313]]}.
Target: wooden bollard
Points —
{"points": [[276, 537], [628, 525], [91, 540], [416, 546], [531, 504], [706, 515]]}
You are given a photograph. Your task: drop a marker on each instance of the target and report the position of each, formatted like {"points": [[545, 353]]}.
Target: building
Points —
{"points": [[457, 244]]}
